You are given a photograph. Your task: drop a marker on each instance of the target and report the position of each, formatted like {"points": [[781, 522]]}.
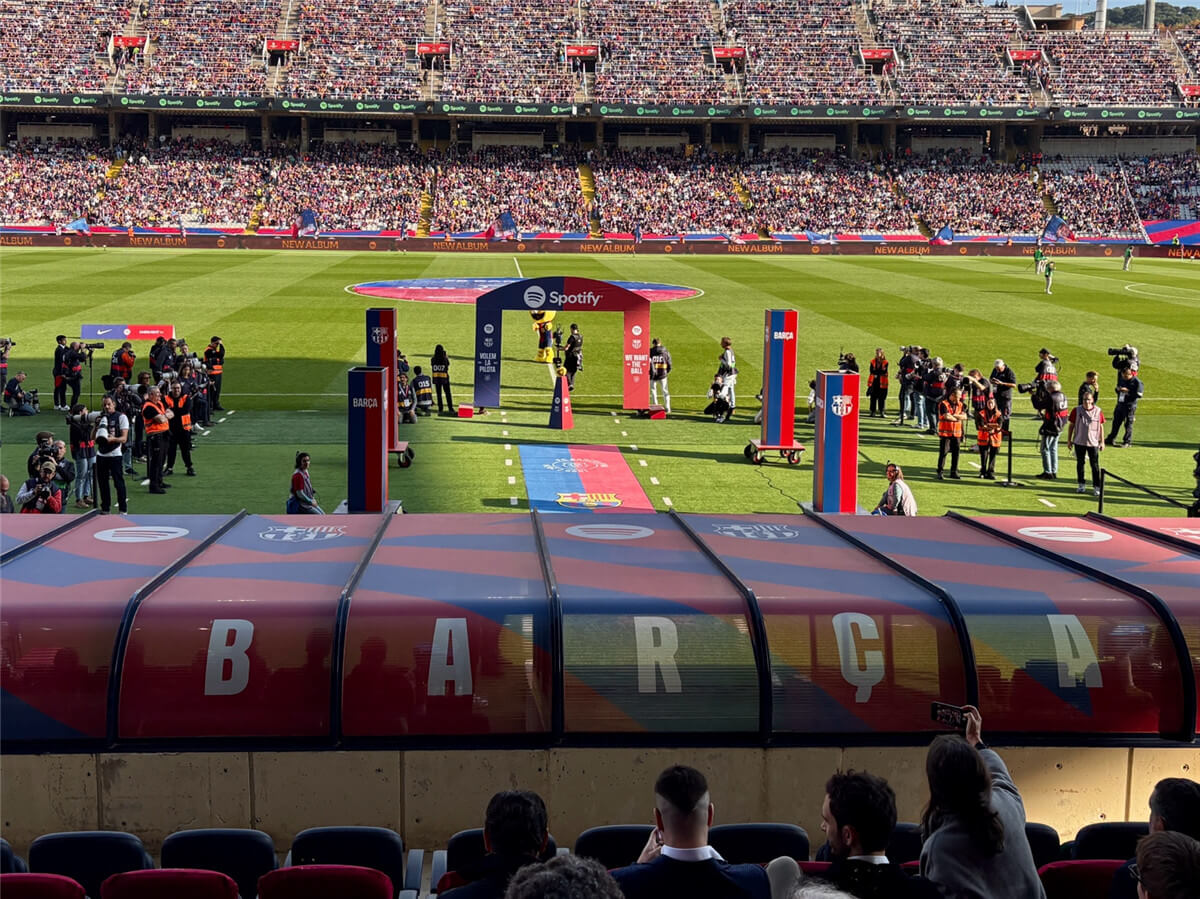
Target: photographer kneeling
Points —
{"points": [[40, 495]]}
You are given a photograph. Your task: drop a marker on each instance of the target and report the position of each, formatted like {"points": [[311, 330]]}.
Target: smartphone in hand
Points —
{"points": [[951, 716]]}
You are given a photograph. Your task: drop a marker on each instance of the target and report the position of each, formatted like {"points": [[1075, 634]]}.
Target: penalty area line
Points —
{"points": [[520, 274]]}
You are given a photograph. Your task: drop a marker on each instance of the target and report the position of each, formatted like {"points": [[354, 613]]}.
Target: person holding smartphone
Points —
{"points": [[974, 824]]}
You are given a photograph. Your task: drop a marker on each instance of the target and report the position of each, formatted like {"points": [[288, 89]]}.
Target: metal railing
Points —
{"points": [[1105, 474]]}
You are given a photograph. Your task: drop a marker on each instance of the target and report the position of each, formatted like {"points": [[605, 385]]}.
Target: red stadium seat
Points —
{"points": [[816, 869], [177, 883], [370, 847], [325, 882], [243, 854], [89, 857], [1078, 879], [463, 850], [39, 886]]}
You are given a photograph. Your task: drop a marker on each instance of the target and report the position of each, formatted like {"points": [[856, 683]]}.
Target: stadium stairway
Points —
{"points": [[426, 217], [114, 170], [587, 186]]}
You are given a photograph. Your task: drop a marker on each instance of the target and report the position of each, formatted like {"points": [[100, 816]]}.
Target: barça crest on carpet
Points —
{"points": [[288, 534], [756, 531], [588, 500], [843, 404]]}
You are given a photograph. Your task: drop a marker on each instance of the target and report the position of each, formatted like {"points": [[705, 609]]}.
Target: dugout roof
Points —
{"points": [[158, 632]]}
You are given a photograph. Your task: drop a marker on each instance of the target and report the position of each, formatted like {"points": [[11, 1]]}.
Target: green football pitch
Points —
{"points": [[292, 330]]}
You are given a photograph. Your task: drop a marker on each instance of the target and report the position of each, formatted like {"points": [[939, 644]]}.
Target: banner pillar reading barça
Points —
{"points": [[368, 407], [779, 377], [561, 416], [835, 466], [381, 352]]}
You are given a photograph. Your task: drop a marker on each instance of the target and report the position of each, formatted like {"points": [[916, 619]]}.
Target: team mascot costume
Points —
{"points": [[544, 328]]}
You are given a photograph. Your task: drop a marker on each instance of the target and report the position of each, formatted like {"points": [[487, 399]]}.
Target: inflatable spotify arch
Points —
{"points": [[147, 633], [562, 295]]}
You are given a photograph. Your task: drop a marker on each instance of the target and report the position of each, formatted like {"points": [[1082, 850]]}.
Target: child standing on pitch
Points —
{"points": [[1048, 271]]}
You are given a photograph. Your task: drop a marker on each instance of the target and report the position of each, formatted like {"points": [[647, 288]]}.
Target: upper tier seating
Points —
{"points": [[1121, 68], [54, 46]]}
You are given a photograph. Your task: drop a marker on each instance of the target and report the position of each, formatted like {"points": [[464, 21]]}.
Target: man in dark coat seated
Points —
{"points": [[677, 860], [514, 834]]}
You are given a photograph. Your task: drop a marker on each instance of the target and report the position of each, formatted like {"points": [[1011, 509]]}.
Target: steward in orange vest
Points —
{"points": [[877, 383], [156, 418], [991, 434], [180, 404], [951, 416]]}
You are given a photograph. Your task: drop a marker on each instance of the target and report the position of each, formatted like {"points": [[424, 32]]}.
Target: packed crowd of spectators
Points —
{"points": [[50, 183], [1165, 187], [796, 190], [953, 52], [511, 51], [1187, 39], [349, 186], [1091, 197], [654, 52], [972, 194], [1123, 68], [541, 190], [203, 181], [58, 46], [787, 37], [358, 49], [204, 47], [666, 193]]}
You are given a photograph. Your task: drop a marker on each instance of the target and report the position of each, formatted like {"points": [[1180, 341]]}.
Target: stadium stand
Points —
{"points": [[1092, 197], [88, 857], [204, 47], [1188, 41], [972, 195], [820, 39], [243, 855], [807, 190], [656, 53], [511, 52], [951, 52], [1165, 187], [202, 181], [358, 49], [50, 183], [58, 46], [352, 186], [1124, 68], [541, 191]]}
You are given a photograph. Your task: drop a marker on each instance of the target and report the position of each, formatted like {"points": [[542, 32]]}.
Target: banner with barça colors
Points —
{"points": [[369, 405], [381, 352], [835, 459]]}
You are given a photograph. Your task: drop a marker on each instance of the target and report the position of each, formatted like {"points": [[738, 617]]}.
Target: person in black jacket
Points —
{"points": [[60, 381], [677, 860], [515, 835], [1052, 406], [1129, 391], [1174, 806]]}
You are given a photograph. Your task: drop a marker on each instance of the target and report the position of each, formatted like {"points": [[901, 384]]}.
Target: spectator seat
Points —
{"points": [[324, 882], [757, 844], [369, 847], [462, 851], [39, 886], [816, 869], [10, 862], [240, 853], [613, 845], [176, 883], [89, 857], [1109, 839], [1043, 843], [905, 843], [1078, 878]]}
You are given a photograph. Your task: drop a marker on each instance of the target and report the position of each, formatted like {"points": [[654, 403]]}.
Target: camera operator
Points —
{"points": [[66, 469], [847, 362], [112, 436], [126, 402], [1124, 357], [59, 372], [18, 401], [1129, 391], [83, 451], [190, 375], [180, 430], [934, 388], [41, 452], [77, 354], [1004, 381], [906, 367], [40, 495], [1052, 404], [123, 359], [1047, 367]]}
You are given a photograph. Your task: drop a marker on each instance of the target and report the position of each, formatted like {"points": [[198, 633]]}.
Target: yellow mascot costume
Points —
{"points": [[544, 328]]}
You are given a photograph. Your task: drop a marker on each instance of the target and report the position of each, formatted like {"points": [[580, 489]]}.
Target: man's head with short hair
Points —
{"points": [[1175, 805], [564, 877], [682, 808], [515, 823], [1168, 866], [818, 889], [859, 813]]}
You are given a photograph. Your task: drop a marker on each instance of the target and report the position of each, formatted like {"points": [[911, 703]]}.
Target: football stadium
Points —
{"points": [[619, 604]]}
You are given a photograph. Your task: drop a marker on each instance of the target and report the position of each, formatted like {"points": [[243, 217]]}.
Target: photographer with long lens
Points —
{"points": [[43, 450], [1053, 410], [40, 495], [83, 451], [112, 435]]}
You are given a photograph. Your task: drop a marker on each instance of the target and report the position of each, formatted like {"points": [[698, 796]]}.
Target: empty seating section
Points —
{"points": [[208, 182], [243, 855], [800, 52], [512, 51], [205, 47], [1165, 187], [349, 185], [653, 52], [59, 45], [88, 857], [806, 190], [951, 51], [365, 48], [173, 882], [541, 191], [1091, 197], [1121, 68], [664, 193], [50, 183], [973, 195]]}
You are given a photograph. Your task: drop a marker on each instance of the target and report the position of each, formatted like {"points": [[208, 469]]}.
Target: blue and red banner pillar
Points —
{"points": [[835, 465], [381, 352], [561, 416], [368, 406], [779, 377]]}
